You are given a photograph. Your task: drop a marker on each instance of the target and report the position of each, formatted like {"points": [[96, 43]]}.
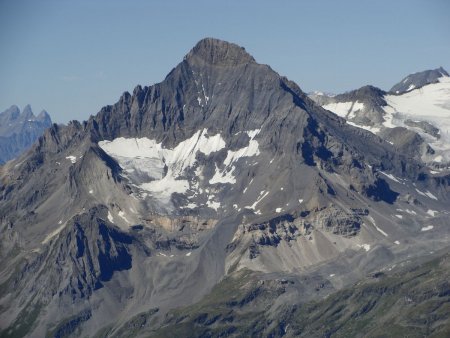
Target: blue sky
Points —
{"points": [[73, 57]]}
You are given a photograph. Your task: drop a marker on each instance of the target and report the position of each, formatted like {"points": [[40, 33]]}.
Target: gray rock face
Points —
{"points": [[373, 100], [18, 131], [223, 166], [425, 127], [220, 53], [407, 141], [418, 80]]}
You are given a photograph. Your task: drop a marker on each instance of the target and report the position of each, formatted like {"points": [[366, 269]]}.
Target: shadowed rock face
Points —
{"points": [[19, 130], [223, 166]]}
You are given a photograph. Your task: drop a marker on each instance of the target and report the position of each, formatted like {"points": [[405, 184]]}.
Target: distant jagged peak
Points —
{"points": [[418, 80], [220, 53], [11, 113], [43, 116], [27, 112]]}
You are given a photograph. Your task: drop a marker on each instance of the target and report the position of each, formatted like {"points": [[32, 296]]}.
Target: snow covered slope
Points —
{"points": [[159, 172], [416, 120], [430, 104]]}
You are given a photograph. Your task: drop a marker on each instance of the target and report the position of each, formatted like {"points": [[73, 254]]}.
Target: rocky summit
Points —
{"points": [[222, 201]]}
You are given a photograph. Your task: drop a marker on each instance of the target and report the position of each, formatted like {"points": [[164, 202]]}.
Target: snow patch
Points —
{"points": [[162, 167], [420, 192], [390, 176], [397, 242], [188, 254], [427, 194], [72, 159], [165, 187], [262, 195], [251, 150], [278, 210], [190, 206], [427, 228], [122, 215], [432, 213], [110, 217], [430, 195], [226, 174], [438, 159], [253, 133], [344, 109], [213, 205], [364, 246], [376, 227]]}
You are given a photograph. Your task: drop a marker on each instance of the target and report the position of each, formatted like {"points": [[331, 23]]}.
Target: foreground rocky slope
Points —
{"points": [[19, 130], [224, 168], [411, 300]]}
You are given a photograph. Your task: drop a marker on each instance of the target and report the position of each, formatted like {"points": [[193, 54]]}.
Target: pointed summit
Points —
{"points": [[27, 112], [11, 113], [219, 52], [44, 117], [442, 71]]}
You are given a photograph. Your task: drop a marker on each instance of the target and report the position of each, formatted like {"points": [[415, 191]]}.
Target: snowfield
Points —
{"points": [[163, 169], [430, 103], [345, 109]]}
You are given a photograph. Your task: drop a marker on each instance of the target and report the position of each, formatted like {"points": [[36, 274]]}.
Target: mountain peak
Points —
{"points": [[442, 71], [11, 113], [418, 80], [44, 116], [219, 52], [27, 112]]}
